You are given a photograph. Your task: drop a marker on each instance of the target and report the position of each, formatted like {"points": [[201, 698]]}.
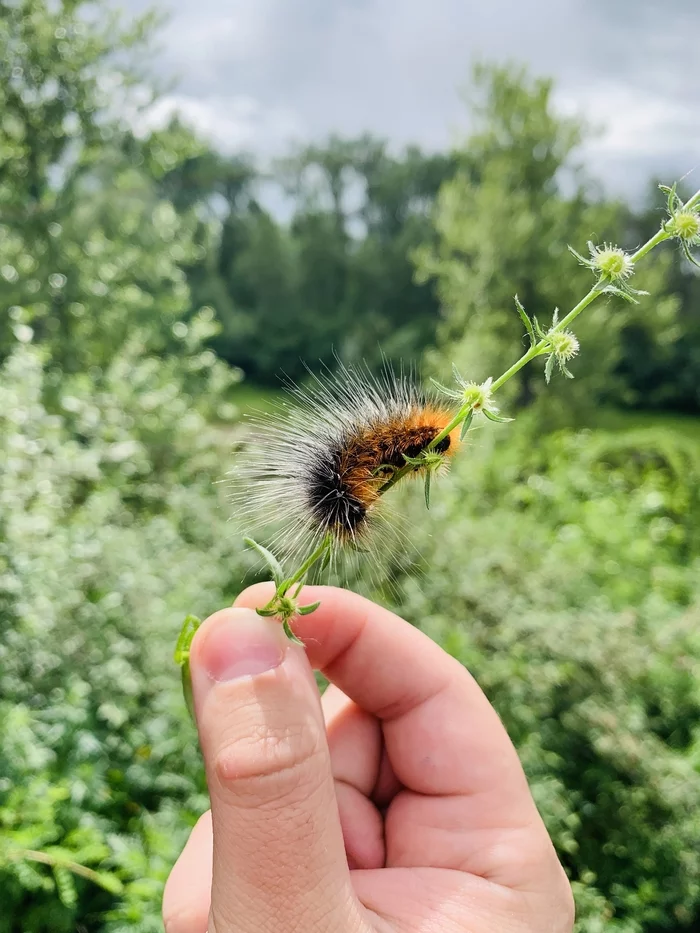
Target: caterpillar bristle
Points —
{"points": [[316, 465]]}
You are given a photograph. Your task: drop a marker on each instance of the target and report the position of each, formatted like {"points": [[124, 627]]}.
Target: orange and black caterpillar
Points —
{"points": [[344, 485], [317, 465]]}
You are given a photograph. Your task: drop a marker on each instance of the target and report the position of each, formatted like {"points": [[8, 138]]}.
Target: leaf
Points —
{"points": [[581, 259], [184, 639], [273, 564], [267, 613], [498, 419], [427, 489], [538, 330], [526, 320], [673, 199], [689, 256], [109, 882], [290, 634], [307, 610], [186, 678], [325, 561], [555, 317], [451, 393], [65, 886], [466, 424], [549, 368], [626, 293]]}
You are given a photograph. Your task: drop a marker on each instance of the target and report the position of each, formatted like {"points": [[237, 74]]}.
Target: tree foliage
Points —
{"points": [[504, 222]]}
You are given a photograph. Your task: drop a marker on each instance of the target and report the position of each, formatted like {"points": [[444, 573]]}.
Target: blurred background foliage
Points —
{"points": [[142, 278]]}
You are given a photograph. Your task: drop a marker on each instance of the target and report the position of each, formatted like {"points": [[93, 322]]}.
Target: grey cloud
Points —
{"points": [[394, 66]]}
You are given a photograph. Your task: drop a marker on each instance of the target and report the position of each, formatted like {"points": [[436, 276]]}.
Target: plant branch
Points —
{"points": [[544, 345]]}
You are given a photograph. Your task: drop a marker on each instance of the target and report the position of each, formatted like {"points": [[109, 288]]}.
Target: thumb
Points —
{"points": [[279, 857]]}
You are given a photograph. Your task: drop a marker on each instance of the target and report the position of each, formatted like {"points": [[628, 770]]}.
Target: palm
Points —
{"points": [[418, 858]]}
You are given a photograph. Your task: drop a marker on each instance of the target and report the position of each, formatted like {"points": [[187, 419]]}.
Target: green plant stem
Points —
{"points": [[537, 349], [45, 858], [306, 566]]}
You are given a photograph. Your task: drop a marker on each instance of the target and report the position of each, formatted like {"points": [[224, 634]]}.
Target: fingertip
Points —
{"points": [[254, 596], [220, 617]]}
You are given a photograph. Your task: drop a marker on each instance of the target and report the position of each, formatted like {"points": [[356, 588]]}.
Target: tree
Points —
{"points": [[659, 361], [503, 223], [90, 250]]}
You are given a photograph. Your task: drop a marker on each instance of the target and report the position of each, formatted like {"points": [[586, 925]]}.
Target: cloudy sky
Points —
{"points": [[257, 74]]}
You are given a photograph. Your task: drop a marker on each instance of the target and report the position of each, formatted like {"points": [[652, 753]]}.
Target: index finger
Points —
{"points": [[442, 735]]}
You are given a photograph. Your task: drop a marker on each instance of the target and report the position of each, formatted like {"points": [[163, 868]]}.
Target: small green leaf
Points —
{"points": [[555, 317], [688, 255], [549, 368], [427, 488], [65, 886], [290, 634], [498, 419], [325, 561], [673, 199], [526, 320], [538, 330], [267, 613], [626, 293], [269, 558], [307, 610], [184, 639], [187, 688], [581, 259], [451, 393], [466, 424], [109, 882]]}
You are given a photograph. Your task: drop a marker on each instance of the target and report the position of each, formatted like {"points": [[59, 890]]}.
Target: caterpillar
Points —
{"points": [[315, 467]]}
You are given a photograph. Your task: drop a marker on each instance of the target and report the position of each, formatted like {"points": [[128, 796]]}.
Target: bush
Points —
{"points": [[111, 529]]}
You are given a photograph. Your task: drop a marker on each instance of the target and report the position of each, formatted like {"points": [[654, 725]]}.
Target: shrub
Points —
{"points": [[111, 528]]}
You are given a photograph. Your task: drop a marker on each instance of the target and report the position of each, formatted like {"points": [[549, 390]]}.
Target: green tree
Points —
{"points": [[659, 366], [503, 224], [89, 248]]}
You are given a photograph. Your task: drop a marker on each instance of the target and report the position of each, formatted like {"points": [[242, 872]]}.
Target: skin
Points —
{"points": [[396, 805]]}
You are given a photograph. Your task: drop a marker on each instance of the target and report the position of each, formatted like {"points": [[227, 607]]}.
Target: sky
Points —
{"points": [[259, 75]]}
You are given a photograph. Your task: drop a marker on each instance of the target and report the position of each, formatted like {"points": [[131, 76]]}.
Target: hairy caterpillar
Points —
{"points": [[316, 466]]}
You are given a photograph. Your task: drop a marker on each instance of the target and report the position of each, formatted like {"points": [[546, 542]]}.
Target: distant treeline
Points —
{"points": [[347, 248], [389, 253]]}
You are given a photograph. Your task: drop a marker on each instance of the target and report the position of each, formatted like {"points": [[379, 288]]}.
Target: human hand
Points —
{"points": [[395, 805]]}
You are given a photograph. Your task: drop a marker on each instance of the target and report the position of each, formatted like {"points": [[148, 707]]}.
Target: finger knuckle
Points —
{"points": [[270, 763]]}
